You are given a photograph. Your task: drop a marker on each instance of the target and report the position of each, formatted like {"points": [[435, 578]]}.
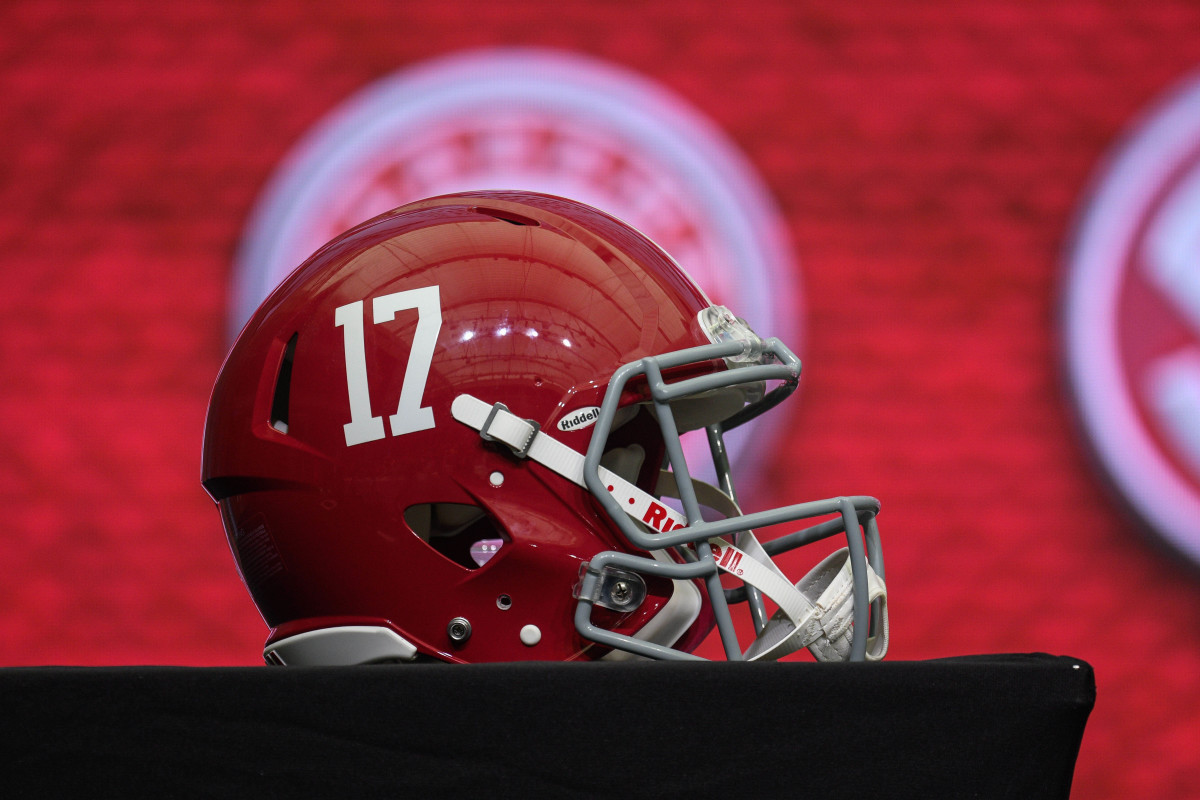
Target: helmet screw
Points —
{"points": [[459, 630], [622, 593]]}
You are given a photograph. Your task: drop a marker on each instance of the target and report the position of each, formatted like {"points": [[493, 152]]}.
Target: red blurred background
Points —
{"points": [[928, 158]]}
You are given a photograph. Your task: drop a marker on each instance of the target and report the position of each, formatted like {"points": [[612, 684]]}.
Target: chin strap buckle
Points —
{"points": [[512, 436]]}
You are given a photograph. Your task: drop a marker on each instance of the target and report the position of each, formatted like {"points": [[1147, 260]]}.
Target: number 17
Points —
{"points": [[410, 415]]}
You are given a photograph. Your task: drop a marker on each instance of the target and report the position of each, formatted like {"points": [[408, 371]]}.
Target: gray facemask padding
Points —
{"points": [[708, 408], [625, 461]]}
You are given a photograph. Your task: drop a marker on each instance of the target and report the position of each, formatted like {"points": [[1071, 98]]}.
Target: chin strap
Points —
{"points": [[816, 613]]}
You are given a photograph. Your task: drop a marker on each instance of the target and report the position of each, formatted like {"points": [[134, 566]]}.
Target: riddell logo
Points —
{"points": [[540, 120], [656, 517], [1132, 319], [728, 558], [580, 418]]}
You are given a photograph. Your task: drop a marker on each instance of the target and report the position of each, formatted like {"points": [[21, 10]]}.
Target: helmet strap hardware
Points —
{"points": [[519, 452], [616, 589]]}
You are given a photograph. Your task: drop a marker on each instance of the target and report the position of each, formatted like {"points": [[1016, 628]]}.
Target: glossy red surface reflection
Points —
{"points": [[528, 300]]}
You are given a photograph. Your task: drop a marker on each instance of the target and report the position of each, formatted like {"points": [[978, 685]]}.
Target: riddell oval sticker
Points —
{"points": [[540, 120], [580, 418], [1132, 319]]}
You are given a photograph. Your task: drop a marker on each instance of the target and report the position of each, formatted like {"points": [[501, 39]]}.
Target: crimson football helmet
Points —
{"points": [[454, 433]]}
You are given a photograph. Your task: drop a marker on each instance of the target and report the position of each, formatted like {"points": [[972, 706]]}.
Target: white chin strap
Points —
{"points": [[817, 612]]}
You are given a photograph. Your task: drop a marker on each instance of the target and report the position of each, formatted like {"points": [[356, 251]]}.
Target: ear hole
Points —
{"points": [[461, 532], [281, 399]]}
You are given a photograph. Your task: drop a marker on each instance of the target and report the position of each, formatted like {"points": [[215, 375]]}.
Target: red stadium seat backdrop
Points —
{"points": [[929, 161]]}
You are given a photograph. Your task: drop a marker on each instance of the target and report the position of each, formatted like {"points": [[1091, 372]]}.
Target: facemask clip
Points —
{"points": [[722, 327], [615, 589]]}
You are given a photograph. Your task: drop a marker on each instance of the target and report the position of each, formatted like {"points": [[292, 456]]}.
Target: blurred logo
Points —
{"points": [[1132, 319], [540, 120]]}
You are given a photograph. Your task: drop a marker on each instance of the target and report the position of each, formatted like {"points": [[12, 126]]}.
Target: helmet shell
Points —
{"points": [[538, 301]]}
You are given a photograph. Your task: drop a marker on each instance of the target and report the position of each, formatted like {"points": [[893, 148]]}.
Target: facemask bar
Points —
{"points": [[720, 456], [776, 362]]}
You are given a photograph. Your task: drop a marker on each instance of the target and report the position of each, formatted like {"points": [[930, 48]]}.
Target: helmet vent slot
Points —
{"points": [[508, 216], [281, 399], [461, 532]]}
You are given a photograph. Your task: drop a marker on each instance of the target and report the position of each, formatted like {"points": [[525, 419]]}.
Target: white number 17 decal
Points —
{"points": [[410, 415]]}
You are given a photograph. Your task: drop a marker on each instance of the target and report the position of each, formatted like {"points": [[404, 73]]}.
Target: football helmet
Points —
{"points": [[454, 433]]}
